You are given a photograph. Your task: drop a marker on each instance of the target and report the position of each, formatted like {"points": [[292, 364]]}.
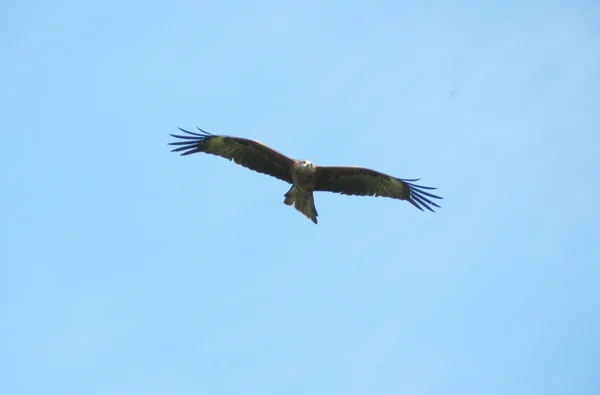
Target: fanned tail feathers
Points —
{"points": [[303, 201]]}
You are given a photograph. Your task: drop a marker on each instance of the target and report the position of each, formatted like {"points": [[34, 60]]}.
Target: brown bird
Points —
{"points": [[305, 176]]}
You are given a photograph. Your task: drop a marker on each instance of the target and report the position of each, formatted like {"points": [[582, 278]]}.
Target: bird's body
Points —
{"points": [[301, 192], [305, 176]]}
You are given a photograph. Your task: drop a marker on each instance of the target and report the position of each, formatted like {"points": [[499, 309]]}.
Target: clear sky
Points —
{"points": [[127, 269]]}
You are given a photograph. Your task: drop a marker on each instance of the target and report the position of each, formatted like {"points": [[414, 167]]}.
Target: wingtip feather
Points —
{"points": [[204, 131], [192, 141]]}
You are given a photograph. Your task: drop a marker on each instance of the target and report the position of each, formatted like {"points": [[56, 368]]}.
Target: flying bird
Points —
{"points": [[305, 176]]}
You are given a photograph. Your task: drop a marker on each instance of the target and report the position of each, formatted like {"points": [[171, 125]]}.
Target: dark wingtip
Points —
{"points": [[204, 131], [191, 143], [414, 203], [420, 198], [192, 133]]}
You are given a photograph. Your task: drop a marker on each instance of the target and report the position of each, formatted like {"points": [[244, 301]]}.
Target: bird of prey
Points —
{"points": [[305, 176]]}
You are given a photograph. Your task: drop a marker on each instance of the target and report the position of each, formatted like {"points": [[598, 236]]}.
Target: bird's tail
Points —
{"points": [[303, 201]]}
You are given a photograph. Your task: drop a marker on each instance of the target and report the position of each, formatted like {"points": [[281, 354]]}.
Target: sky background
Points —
{"points": [[127, 269]]}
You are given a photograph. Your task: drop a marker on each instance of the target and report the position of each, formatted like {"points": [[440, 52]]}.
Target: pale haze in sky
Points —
{"points": [[128, 269]]}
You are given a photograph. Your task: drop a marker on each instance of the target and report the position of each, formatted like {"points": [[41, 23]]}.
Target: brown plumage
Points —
{"points": [[304, 176]]}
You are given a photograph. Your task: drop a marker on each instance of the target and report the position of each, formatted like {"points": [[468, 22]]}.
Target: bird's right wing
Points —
{"points": [[248, 153], [355, 180]]}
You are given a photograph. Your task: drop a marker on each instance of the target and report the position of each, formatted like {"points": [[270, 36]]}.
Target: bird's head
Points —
{"points": [[306, 164]]}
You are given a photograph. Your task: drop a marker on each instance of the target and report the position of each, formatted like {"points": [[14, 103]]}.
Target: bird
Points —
{"points": [[304, 176]]}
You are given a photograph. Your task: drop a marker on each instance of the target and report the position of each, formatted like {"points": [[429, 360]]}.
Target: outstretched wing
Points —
{"points": [[248, 153], [352, 180]]}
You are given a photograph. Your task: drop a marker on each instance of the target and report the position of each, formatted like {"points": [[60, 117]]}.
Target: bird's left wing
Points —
{"points": [[354, 180], [248, 153]]}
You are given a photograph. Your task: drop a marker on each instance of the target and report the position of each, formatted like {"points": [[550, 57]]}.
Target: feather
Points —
{"points": [[360, 181], [245, 152]]}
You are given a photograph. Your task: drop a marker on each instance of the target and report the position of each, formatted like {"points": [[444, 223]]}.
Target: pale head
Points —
{"points": [[303, 173], [305, 164]]}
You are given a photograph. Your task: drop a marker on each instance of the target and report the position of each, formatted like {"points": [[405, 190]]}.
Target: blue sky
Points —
{"points": [[128, 269]]}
